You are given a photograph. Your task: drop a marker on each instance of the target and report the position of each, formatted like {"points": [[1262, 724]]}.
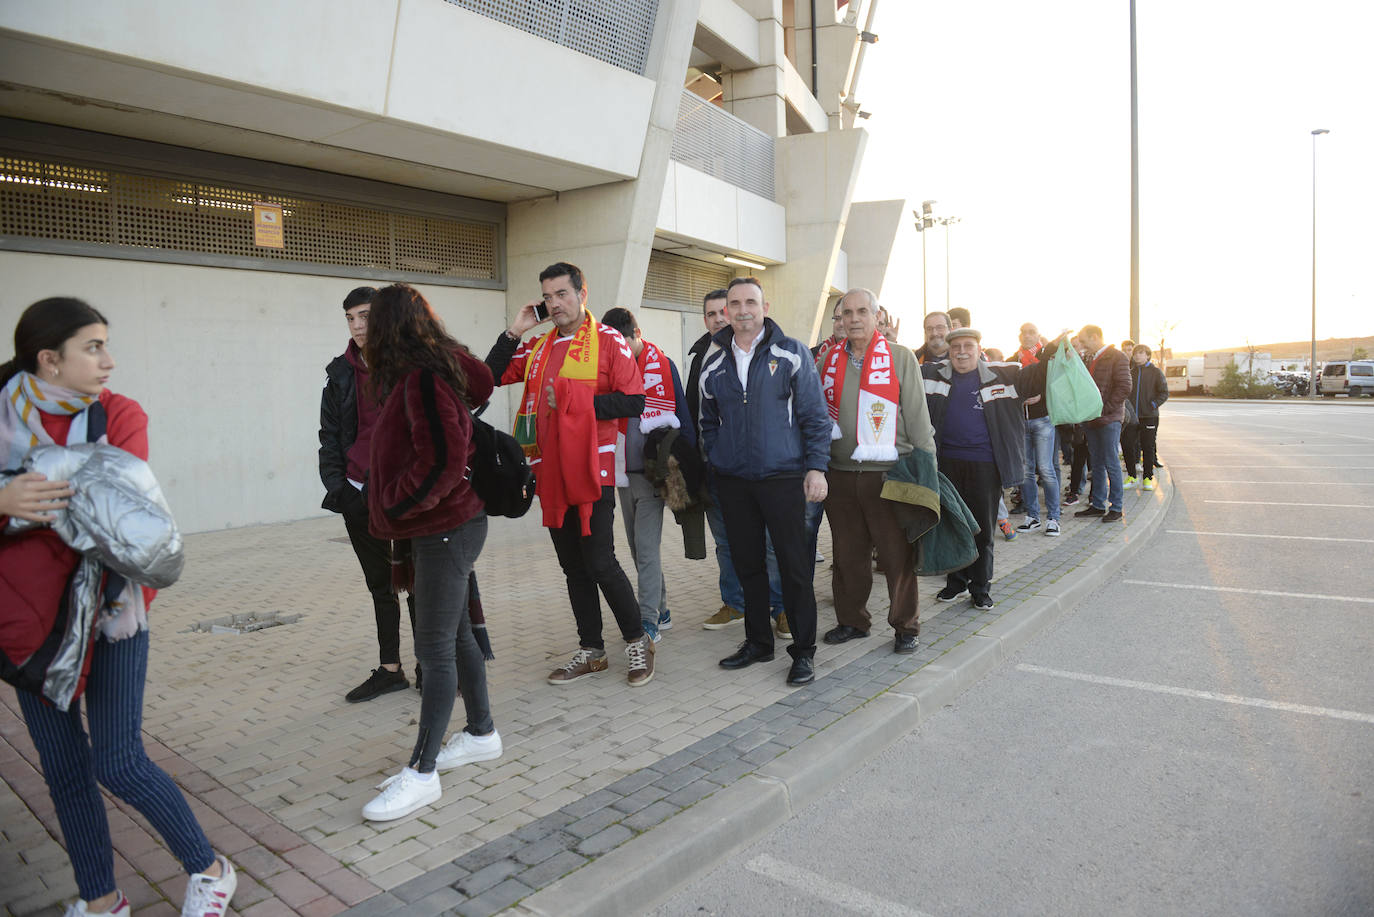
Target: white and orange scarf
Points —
{"points": [[660, 401], [580, 364], [876, 425]]}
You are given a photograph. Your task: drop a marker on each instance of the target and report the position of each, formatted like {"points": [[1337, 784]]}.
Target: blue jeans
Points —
{"points": [[112, 754], [1106, 480], [731, 593], [1041, 465]]}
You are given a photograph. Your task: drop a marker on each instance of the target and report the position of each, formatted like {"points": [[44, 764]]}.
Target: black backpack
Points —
{"points": [[499, 472]]}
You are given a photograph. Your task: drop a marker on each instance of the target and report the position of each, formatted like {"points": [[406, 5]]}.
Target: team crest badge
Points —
{"points": [[772, 366], [877, 418]]}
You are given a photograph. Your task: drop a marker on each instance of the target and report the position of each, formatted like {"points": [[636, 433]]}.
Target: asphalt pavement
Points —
{"points": [[1194, 738]]}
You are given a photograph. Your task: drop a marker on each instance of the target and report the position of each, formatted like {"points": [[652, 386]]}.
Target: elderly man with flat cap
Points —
{"points": [[980, 433]]}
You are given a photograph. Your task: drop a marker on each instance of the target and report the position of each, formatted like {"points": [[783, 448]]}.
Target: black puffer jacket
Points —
{"points": [[338, 429], [1148, 390]]}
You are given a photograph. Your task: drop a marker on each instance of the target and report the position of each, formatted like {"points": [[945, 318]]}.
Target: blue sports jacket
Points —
{"points": [[780, 426]]}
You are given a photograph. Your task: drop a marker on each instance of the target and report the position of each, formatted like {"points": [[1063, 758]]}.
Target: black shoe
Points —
{"points": [[802, 672], [983, 602], [379, 682], [1090, 511], [1069, 499], [906, 644], [950, 593], [1113, 516], [843, 634], [746, 655]]}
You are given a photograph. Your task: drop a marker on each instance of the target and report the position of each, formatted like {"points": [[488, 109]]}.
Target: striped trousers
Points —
{"points": [[113, 755]]}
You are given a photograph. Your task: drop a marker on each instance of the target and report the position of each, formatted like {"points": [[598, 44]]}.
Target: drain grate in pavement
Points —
{"points": [[242, 624]]}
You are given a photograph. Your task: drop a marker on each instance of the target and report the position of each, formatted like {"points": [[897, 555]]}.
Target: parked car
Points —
{"points": [[1350, 377]]}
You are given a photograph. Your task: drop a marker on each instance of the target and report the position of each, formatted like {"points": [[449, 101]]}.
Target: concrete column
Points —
{"points": [[608, 230], [814, 177]]}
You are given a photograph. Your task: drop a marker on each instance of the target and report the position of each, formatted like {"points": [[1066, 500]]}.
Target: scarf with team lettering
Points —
{"points": [[580, 364], [876, 425], [660, 401]]}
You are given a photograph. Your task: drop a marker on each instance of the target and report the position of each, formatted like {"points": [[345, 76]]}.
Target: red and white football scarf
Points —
{"points": [[876, 426], [660, 401]]}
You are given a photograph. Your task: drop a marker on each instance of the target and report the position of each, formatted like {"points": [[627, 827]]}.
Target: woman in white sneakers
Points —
{"points": [[55, 394], [418, 490]]}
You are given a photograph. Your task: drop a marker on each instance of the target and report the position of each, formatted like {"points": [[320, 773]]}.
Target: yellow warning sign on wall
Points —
{"points": [[267, 226]]}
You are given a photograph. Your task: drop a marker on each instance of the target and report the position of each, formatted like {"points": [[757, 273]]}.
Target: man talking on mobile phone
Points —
{"points": [[580, 378]]}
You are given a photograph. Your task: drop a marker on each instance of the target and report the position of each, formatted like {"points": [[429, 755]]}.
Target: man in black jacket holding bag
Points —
{"points": [[347, 417]]}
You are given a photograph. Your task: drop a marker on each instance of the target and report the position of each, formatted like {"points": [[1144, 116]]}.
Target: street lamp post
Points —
{"points": [[1312, 374], [945, 221], [925, 219]]}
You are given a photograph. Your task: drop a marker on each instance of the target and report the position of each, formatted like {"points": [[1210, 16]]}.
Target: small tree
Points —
{"points": [[1359, 353], [1236, 384]]}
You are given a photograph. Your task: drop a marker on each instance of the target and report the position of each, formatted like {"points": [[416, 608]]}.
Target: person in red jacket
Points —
{"points": [[1111, 370], [418, 489], [579, 379], [54, 393]]}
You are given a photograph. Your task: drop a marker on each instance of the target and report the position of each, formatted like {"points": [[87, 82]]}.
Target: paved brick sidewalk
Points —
{"points": [[278, 766]]}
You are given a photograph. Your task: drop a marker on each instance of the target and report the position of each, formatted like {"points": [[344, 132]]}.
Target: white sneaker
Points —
{"points": [[208, 896], [1029, 525], [1052, 528], [402, 794], [465, 748], [120, 908]]}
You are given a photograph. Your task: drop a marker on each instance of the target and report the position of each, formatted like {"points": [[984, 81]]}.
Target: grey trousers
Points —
{"points": [[642, 511], [444, 643]]}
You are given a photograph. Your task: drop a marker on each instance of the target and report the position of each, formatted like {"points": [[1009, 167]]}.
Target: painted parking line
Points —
{"points": [[1276, 503], [1285, 595], [837, 893], [1285, 483], [1328, 712], [1259, 535]]}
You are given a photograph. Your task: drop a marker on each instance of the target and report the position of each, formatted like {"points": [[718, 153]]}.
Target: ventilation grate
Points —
{"points": [[682, 281], [77, 203], [617, 32]]}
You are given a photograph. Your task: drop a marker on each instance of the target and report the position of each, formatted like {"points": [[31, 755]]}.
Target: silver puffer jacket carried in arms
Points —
{"points": [[116, 519]]}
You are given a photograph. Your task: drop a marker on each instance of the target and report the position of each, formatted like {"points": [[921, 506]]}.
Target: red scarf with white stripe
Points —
{"points": [[660, 401], [876, 425]]}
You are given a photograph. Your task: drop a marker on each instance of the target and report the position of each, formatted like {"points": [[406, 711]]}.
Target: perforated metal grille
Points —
{"points": [[711, 140], [684, 281], [615, 31], [76, 203]]}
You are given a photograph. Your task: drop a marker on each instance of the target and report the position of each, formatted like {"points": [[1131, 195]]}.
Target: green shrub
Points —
{"points": [[1236, 384]]}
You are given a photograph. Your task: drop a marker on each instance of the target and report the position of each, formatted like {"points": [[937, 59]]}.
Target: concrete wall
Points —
{"points": [[702, 208], [229, 366]]}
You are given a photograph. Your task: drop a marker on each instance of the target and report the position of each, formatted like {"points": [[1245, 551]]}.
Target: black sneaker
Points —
{"points": [[379, 682], [1069, 499], [983, 602], [1030, 525], [950, 593], [1113, 516], [1090, 511]]}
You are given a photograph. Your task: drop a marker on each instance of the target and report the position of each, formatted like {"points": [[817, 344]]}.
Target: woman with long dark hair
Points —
{"points": [[54, 393], [418, 489]]}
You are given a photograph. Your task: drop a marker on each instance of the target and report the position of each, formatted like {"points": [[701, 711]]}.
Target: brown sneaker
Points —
{"points": [[780, 626], [723, 618], [640, 654], [584, 662]]}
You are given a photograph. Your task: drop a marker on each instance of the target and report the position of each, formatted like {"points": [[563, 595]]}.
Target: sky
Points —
{"points": [[1015, 117]]}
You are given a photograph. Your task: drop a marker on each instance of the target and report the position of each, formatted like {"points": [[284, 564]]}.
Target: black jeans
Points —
{"points": [[1149, 436], [374, 555], [778, 506], [444, 643], [1130, 446], [980, 487], [589, 562]]}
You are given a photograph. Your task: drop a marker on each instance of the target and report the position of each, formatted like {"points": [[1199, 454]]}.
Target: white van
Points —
{"points": [[1353, 378]]}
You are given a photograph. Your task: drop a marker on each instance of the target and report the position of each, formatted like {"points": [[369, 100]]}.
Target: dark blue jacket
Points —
{"points": [[780, 426]]}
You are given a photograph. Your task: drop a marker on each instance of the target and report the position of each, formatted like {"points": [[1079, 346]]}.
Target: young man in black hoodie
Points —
{"points": [[347, 418]]}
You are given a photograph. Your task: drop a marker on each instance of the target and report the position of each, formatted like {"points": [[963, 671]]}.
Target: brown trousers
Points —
{"points": [[859, 520]]}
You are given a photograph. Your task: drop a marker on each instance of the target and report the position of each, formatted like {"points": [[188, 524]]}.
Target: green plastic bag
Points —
{"points": [[1069, 388]]}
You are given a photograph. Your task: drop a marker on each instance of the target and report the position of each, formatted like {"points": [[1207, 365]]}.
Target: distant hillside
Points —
{"points": [[1329, 349]]}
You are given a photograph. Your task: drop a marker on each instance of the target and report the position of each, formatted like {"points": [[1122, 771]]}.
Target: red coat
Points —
{"points": [[1111, 370], [418, 476], [35, 566]]}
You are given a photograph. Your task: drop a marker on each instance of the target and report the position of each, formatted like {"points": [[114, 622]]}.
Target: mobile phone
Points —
{"points": [[541, 311]]}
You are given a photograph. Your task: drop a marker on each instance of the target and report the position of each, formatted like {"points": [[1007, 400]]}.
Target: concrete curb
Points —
{"points": [[636, 876]]}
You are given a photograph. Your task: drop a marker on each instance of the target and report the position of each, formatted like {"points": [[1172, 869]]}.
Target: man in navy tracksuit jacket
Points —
{"points": [[766, 432]]}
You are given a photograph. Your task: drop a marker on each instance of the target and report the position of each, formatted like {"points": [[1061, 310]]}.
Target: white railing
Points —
{"points": [[711, 140]]}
